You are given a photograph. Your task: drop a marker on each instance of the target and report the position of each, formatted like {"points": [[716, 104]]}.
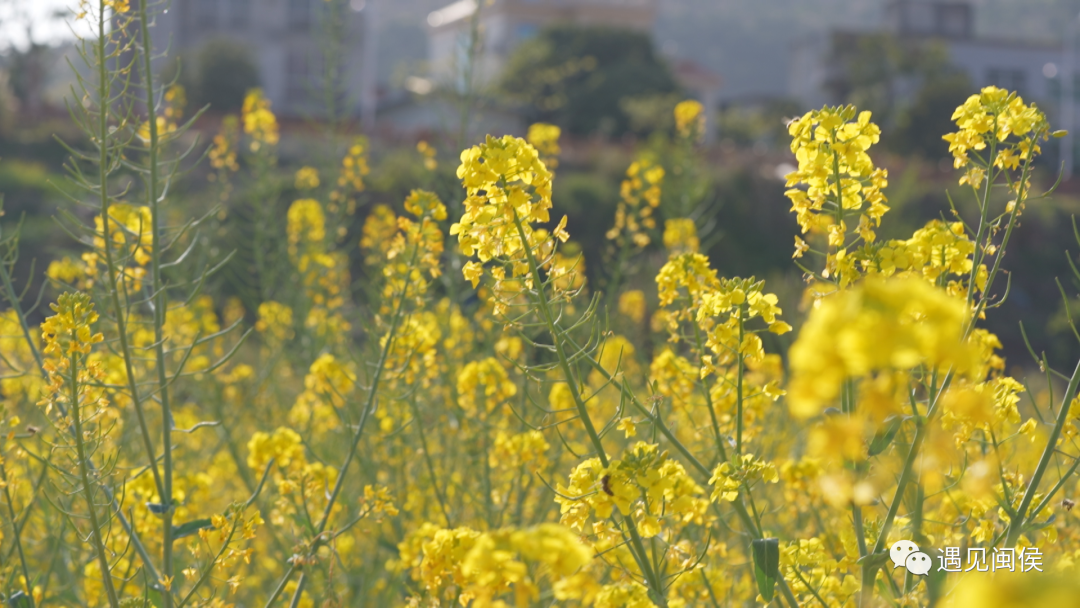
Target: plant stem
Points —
{"points": [[752, 527], [558, 340], [160, 304], [17, 529], [355, 443], [430, 465], [706, 392], [1016, 525], [84, 472], [739, 388], [110, 264]]}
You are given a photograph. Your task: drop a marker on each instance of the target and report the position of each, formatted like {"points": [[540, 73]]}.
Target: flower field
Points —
{"points": [[439, 408]]}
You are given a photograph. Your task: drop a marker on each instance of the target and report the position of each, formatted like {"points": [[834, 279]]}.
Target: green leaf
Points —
{"points": [[874, 560], [19, 600], [1033, 526], [155, 598], [885, 435], [191, 527], [766, 552]]}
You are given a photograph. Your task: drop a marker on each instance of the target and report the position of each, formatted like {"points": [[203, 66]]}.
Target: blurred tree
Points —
{"points": [[765, 123], [880, 72], [223, 72], [579, 77], [920, 125]]}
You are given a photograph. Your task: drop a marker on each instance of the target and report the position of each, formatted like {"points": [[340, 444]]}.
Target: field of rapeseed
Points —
{"points": [[473, 423]]}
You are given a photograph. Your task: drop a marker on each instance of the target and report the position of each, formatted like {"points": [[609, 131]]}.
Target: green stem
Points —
{"points": [[740, 508], [210, 568], [558, 339], [17, 529], [706, 392], [160, 305], [560, 350], [84, 472], [616, 278], [110, 264], [355, 443], [739, 388], [1017, 523], [984, 212]]}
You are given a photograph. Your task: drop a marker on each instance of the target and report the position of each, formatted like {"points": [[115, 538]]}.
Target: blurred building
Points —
{"points": [[286, 40], [817, 70], [704, 85], [504, 24]]}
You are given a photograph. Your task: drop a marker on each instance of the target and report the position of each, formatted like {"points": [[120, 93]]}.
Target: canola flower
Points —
{"points": [[428, 153], [307, 178], [878, 326], [841, 182], [513, 449], [509, 189], [545, 138], [690, 119], [258, 121], [639, 198]]}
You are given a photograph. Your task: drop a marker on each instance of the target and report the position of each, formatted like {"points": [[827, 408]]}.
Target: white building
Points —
{"points": [[1028, 68], [504, 24], [285, 39]]}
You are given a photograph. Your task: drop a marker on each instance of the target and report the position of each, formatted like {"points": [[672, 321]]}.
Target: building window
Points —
{"points": [[237, 12], [920, 18], [297, 76], [955, 20], [1053, 88], [299, 14], [1010, 79]]}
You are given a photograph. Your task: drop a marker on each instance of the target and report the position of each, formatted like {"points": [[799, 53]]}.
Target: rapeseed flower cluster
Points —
{"points": [[639, 197], [508, 190], [831, 147], [545, 138], [259, 122], [401, 440], [690, 119], [878, 326]]}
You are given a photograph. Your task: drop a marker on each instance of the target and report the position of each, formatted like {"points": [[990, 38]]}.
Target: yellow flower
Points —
{"points": [[880, 325], [680, 236], [223, 151], [276, 319], [729, 478], [284, 446], [509, 189], [68, 331], [639, 197], [377, 234], [483, 386], [992, 116], [354, 166], [259, 122], [632, 304], [830, 146], [307, 178], [545, 138], [66, 270], [690, 118], [428, 152]]}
